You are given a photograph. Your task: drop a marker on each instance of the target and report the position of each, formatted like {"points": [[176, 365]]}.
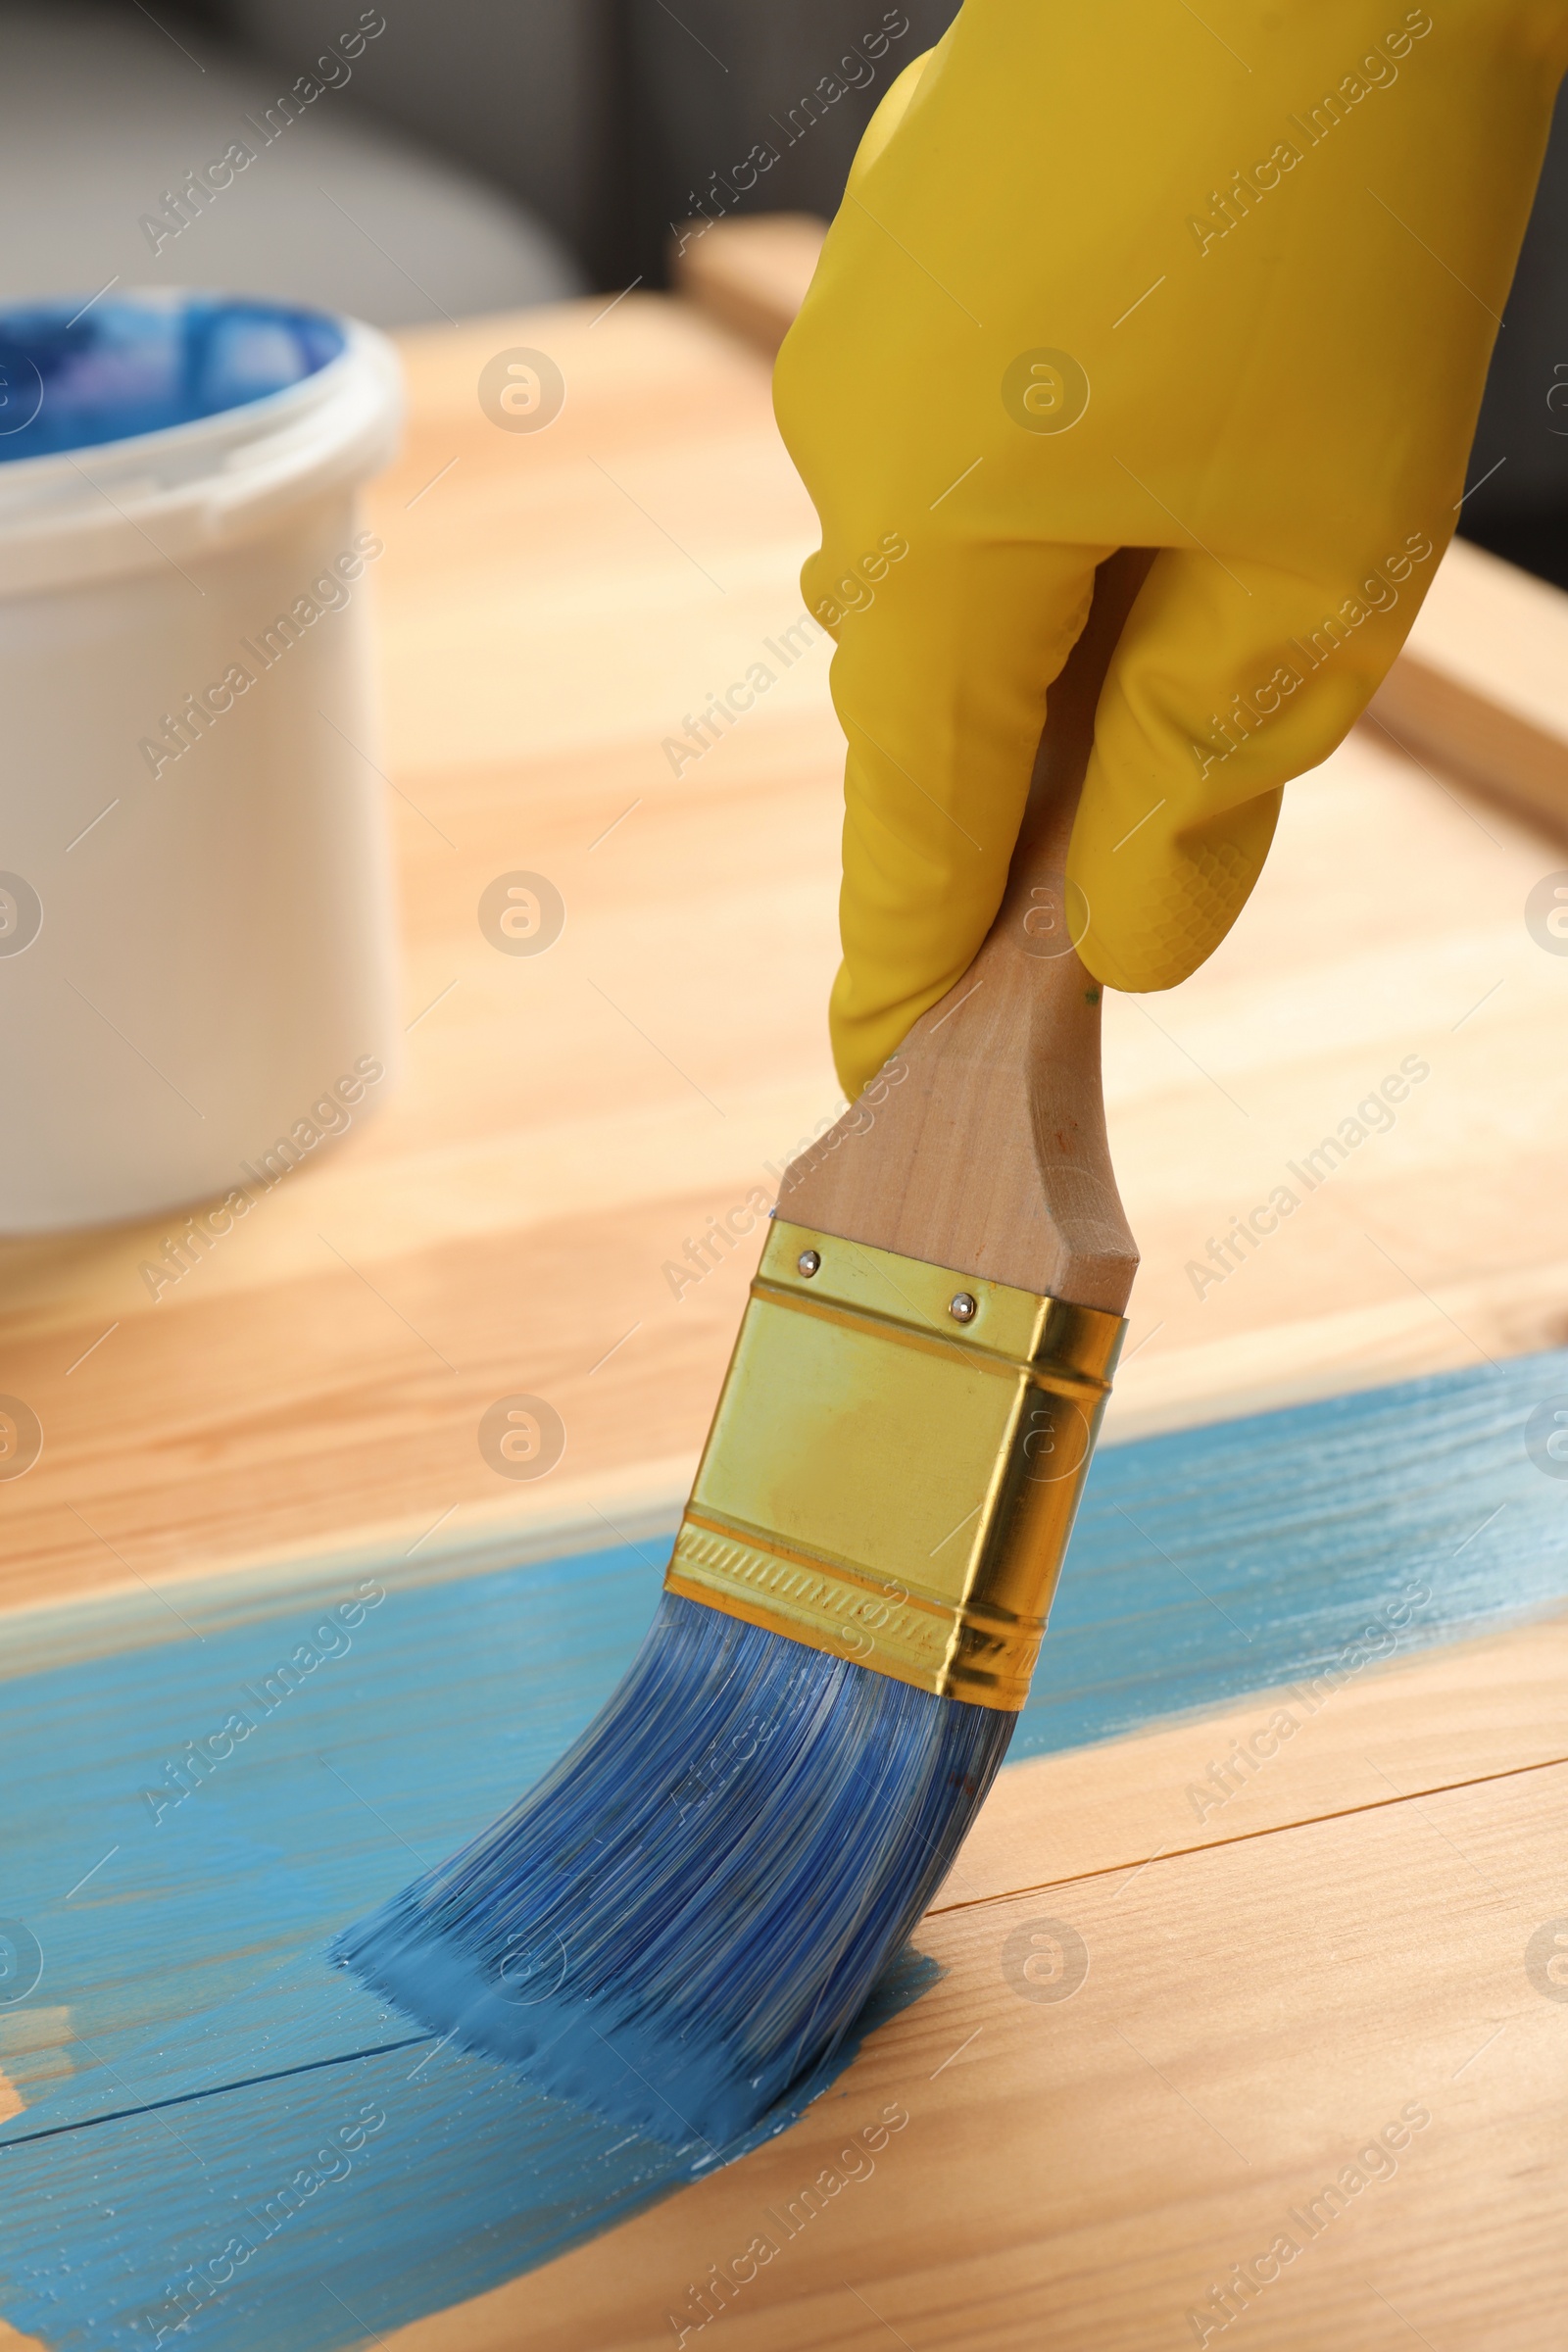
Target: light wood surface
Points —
{"points": [[515, 1218], [1269, 1986], [1470, 1712], [1084, 2169]]}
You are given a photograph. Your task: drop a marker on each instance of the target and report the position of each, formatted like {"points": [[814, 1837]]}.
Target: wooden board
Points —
{"points": [[1292, 1968], [1085, 2171], [750, 274], [1190, 1591], [553, 605], [1480, 689], [188, 2016]]}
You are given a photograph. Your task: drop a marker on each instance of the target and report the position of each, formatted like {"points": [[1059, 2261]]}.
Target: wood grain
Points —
{"points": [[552, 605], [1083, 2171], [1469, 1712], [157, 2010], [1267, 1985]]}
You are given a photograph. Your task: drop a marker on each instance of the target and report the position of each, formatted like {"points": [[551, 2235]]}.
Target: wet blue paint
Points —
{"points": [[347, 2198], [1219, 1560], [144, 365], [1206, 1564]]}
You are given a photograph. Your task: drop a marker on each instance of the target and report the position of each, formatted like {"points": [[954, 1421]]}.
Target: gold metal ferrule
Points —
{"points": [[893, 1477]]}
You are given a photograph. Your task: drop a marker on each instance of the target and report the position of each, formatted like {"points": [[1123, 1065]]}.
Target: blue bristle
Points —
{"points": [[689, 1910]]}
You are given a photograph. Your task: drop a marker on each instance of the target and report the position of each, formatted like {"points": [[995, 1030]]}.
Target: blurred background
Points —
{"points": [[465, 155]]}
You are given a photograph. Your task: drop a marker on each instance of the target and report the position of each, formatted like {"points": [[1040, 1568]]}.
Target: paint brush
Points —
{"points": [[687, 1913]]}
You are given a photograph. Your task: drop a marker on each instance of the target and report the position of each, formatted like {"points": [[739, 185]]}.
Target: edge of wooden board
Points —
{"points": [[1273, 1370], [638, 1505], [750, 273], [1444, 1715]]}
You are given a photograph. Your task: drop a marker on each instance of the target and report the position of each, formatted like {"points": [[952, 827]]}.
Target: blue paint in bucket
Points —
{"points": [[74, 379]]}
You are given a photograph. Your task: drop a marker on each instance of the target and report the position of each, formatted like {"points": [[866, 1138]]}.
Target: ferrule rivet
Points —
{"points": [[963, 1307], [809, 1263]]}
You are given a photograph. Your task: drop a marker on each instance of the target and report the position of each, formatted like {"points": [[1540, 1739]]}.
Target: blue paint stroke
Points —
{"points": [[1221, 1560], [187, 1950], [351, 2199]]}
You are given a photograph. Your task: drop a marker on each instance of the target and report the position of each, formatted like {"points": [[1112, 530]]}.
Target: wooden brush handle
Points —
{"points": [[989, 1155]]}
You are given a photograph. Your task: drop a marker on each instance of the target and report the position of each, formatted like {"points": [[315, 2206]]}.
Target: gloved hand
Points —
{"points": [[1224, 285]]}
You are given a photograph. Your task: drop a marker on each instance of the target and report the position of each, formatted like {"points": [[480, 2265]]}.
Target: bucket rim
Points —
{"points": [[232, 428]]}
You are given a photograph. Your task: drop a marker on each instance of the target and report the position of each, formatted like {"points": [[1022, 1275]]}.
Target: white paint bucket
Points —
{"points": [[196, 927]]}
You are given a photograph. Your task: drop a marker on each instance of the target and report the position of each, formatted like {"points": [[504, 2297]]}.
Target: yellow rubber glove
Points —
{"points": [[1219, 282]]}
